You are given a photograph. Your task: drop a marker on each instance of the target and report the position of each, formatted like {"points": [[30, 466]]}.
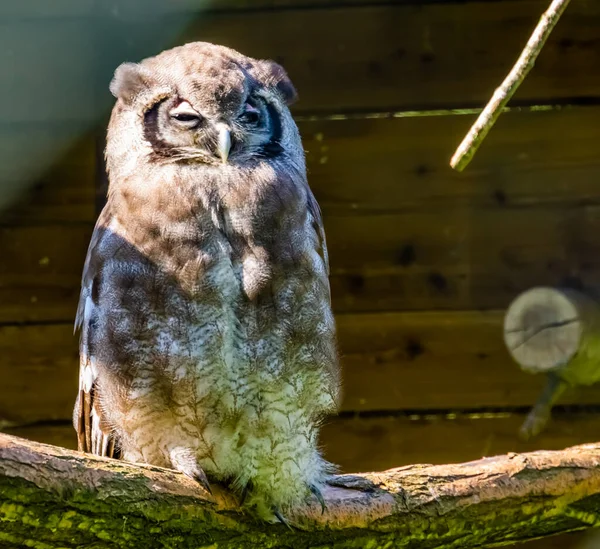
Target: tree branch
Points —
{"points": [[466, 150], [51, 497]]}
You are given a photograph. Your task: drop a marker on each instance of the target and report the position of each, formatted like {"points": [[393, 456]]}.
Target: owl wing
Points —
{"points": [[93, 434], [315, 212]]}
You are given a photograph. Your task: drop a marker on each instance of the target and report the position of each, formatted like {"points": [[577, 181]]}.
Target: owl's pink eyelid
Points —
{"points": [[185, 109], [250, 108]]}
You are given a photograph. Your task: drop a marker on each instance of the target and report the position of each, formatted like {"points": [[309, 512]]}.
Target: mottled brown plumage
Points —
{"points": [[207, 337]]}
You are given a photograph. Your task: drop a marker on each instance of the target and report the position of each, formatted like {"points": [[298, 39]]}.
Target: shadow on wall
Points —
{"points": [[56, 61]]}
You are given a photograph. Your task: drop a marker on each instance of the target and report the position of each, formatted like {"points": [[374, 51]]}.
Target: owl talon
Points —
{"points": [[183, 460], [200, 477], [317, 493], [202, 480], [206, 486], [245, 491], [281, 518]]}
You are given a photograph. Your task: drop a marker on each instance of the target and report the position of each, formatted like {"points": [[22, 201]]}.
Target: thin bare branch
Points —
{"points": [[466, 150]]}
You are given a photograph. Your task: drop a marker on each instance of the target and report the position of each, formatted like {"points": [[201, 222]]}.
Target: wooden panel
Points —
{"points": [[382, 443], [415, 361], [60, 434], [462, 258], [45, 9], [136, 8], [385, 57], [524, 163], [369, 166], [148, 8], [47, 71], [60, 189], [48, 169], [40, 271], [408, 56], [39, 372], [434, 361], [151, 8], [377, 444], [457, 241]]}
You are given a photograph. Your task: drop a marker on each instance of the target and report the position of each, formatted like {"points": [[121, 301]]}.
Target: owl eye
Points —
{"points": [[251, 114], [186, 114], [185, 117]]}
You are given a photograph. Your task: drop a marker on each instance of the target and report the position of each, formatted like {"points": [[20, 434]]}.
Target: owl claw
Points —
{"points": [[281, 518], [183, 460], [200, 477], [245, 492], [317, 493], [204, 483]]}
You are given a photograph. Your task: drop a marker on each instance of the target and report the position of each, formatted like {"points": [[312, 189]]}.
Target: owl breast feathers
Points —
{"points": [[207, 337]]}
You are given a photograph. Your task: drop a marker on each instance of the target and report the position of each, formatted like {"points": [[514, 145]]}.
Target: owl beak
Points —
{"points": [[224, 142]]}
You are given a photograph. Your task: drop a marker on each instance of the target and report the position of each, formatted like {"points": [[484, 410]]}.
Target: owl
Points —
{"points": [[207, 339]]}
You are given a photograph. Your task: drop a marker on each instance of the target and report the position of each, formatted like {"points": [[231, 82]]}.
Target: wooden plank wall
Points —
{"points": [[424, 260]]}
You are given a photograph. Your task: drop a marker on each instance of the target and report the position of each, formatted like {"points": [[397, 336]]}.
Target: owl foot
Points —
{"points": [[281, 518], [317, 493]]}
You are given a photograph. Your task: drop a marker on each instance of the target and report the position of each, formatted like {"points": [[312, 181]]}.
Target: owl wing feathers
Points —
{"points": [[93, 436], [315, 212], [87, 418]]}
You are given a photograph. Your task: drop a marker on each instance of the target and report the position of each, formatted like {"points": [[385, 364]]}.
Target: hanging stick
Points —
{"points": [[466, 150]]}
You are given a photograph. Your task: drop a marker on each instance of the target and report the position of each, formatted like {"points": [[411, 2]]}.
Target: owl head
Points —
{"points": [[201, 105]]}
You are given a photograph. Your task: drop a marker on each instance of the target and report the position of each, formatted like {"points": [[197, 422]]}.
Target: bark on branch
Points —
{"points": [[51, 497]]}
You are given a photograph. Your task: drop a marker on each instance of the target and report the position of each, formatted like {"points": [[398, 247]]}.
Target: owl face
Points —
{"points": [[183, 131], [205, 104]]}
